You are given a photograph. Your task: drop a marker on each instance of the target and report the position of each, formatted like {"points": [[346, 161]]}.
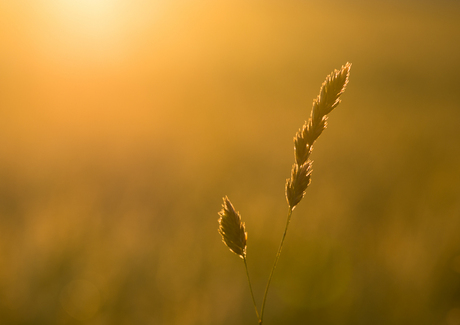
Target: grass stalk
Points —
{"points": [[288, 220], [250, 288]]}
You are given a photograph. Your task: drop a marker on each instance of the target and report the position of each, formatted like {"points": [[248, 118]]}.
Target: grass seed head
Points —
{"points": [[323, 104], [298, 183], [232, 229], [332, 88]]}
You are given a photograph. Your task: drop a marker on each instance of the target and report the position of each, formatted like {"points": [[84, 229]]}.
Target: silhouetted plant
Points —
{"points": [[232, 229]]}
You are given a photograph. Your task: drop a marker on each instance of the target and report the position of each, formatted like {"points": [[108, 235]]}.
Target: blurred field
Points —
{"points": [[123, 123]]}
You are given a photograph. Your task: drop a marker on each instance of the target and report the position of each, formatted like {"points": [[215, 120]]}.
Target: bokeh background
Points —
{"points": [[124, 123]]}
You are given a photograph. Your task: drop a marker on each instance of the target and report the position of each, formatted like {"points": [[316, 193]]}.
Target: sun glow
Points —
{"points": [[98, 31], [84, 29], [96, 19]]}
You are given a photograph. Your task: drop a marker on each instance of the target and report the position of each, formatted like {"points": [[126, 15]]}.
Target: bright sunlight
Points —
{"points": [[100, 31]]}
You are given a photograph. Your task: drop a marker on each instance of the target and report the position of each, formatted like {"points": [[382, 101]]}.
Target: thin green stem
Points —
{"points": [[274, 265], [250, 288]]}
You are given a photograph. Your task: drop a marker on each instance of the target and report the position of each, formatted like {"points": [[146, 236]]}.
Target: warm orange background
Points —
{"points": [[123, 123]]}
